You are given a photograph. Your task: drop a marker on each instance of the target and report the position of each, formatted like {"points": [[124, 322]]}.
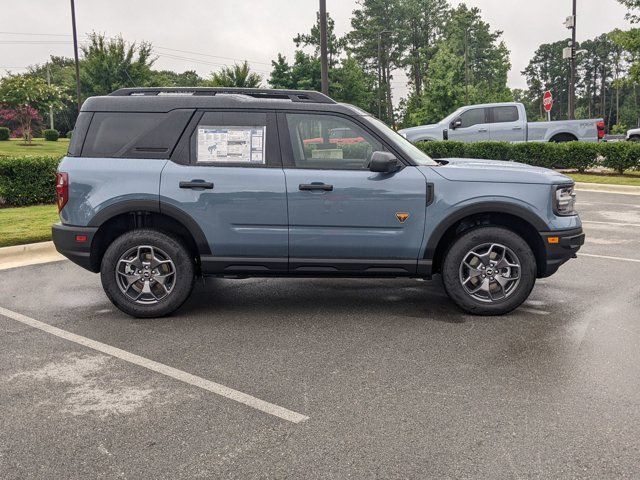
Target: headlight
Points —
{"points": [[564, 200]]}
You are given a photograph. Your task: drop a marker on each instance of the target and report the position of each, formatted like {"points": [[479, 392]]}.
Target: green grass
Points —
{"points": [[26, 224], [16, 147], [607, 178]]}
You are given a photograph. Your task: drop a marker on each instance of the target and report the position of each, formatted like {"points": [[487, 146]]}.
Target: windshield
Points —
{"points": [[402, 144]]}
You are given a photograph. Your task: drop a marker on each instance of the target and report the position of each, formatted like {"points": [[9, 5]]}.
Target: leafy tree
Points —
{"points": [[25, 94], [169, 78], [450, 81], [421, 27], [281, 73], [111, 63], [634, 7], [239, 76], [348, 82], [375, 42], [335, 45], [61, 71], [547, 70]]}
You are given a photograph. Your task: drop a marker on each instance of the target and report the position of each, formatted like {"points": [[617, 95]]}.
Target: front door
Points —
{"points": [[343, 217], [474, 128], [231, 183]]}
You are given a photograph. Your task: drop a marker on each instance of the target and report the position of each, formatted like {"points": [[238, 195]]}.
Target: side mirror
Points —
{"points": [[457, 123], [383, 162]]}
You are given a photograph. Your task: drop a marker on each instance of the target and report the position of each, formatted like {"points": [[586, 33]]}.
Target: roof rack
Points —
{"points": [[304, 96]]}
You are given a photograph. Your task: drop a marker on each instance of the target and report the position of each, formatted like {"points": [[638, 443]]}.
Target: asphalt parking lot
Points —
{"points": [[387, 377]]}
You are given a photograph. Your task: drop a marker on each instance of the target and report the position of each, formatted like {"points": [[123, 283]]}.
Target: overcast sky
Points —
{"points": [[211, 33]]}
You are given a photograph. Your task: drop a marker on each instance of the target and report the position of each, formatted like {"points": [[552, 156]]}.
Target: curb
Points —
{"points": [[29, 254], [606, 188]]}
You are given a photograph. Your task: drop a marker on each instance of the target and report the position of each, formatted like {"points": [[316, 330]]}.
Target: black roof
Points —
{"points": [[170, 98]]}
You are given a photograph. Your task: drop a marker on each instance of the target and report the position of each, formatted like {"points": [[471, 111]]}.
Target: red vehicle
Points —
{"points": [[337, 136]]}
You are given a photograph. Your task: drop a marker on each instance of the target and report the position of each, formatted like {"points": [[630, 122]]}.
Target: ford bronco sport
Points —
{"points": [[162, 185]]}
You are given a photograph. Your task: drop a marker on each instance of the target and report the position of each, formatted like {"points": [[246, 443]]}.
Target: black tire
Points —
{"points": [[634, 138], [181, 281], [459, 251], [563, 137]]}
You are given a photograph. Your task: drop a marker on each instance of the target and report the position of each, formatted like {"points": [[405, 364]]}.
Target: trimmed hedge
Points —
{"points": [[580, 156], [51, 135], [27, 180], [4, 134]]}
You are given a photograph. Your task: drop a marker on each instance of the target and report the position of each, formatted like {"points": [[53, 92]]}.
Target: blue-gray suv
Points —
{"points": [[162, 185]]}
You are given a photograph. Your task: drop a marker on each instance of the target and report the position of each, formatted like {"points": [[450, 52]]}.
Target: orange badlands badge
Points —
{"points": [[402, 216]]}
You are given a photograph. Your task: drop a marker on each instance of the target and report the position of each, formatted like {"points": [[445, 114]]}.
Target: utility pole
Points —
{"points": [[75, 53], [50, 107], [572, 80], [324, 63]]}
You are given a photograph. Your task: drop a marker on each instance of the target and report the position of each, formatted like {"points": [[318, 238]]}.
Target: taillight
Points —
{"points": [[600, 126], [62, 189]]}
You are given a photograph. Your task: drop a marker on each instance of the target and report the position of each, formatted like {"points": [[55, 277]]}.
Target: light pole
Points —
{"points": [[571, 23], [75, 53], [324, 63]]}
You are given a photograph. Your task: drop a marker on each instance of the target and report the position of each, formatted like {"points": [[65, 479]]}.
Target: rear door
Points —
{"points": [[227, 175], [506, 124], [343, 217], [475, 126]]}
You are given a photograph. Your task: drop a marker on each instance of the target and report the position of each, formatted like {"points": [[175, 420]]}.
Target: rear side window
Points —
{"points": [[134, 135], [505, 114], [473, 117], [79, 134]]}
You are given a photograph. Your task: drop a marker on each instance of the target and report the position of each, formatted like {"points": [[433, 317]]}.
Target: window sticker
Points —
{"points": [[231, 144]]}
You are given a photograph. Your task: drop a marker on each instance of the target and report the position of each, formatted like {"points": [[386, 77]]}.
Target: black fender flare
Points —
{"points": [[481, 207], [155, 206]]}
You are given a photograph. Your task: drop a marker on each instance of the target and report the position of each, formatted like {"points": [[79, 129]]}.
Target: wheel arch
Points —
{"points": [[559, 137], [515, 218], [117, 219]]}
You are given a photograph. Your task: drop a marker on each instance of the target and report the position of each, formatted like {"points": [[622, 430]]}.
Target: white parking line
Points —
{"points": [[618, 224], [606, 257], [157, 367]]}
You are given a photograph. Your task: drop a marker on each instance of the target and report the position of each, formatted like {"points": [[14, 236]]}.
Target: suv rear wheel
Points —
{"points": [[489, 271], [147, 273]]}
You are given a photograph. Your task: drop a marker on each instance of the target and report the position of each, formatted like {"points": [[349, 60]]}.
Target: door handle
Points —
{"points": [[516, 128], [315, 186], [197, 185], [483, 130]]}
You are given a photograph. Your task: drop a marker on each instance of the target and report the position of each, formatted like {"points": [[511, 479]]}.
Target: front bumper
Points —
{"points": [[75, 243], [560, 246]]}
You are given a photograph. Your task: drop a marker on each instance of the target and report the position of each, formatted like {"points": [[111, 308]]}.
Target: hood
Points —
{"points": [[422, 132], [476, 170]]}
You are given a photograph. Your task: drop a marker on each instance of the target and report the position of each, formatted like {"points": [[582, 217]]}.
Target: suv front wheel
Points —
{"points": [[147, 273], [489, 271]]}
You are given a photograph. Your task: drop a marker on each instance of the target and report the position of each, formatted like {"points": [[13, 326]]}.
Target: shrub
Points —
{"points": [[27, 180], [5, 133], [580, 156], [51, 135], [70, 134], [620, 156]]}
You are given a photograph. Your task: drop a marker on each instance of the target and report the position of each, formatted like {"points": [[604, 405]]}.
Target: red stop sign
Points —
{"points": [[547, 101]]}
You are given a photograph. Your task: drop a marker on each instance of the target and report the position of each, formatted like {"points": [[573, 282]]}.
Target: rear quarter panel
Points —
{"points": [[583, 130], [98, 183]]}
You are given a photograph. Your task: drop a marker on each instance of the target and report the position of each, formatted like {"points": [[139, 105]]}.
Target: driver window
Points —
{"points": [[472, 117], [330, 142]]}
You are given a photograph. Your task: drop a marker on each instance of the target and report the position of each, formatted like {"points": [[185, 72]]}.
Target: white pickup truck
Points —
{"points": [[506, 122]]}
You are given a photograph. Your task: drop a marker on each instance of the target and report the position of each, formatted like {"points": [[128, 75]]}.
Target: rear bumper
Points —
{"points": [[75, 243], [567, 245]]}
